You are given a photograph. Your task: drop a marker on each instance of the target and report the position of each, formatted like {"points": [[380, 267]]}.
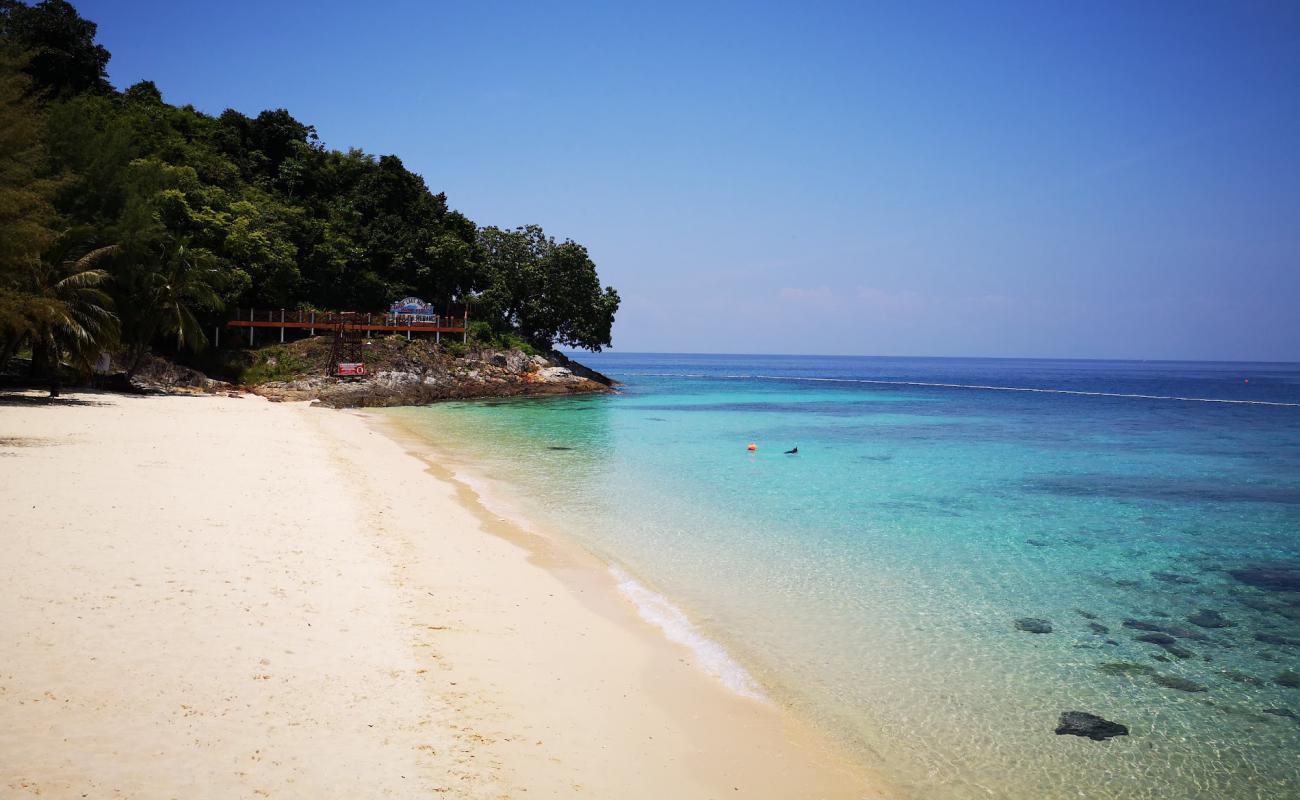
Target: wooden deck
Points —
{"points": [[354, 321]]}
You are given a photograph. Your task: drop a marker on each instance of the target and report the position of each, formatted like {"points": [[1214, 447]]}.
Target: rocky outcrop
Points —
{"points": [[428, 377]]}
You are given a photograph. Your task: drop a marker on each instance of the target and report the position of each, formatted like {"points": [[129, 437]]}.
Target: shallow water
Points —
{"points": [[872, 581]]}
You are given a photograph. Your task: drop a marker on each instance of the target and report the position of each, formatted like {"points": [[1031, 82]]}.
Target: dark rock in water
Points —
{"points": [[1181, 684], [1173, 577], [1209, 618], [1036, 542], [1275, 579], [1273, 638], [1124, 668], [1161, 639], [1143, 625], [1289, 679], [1237, 676], [1257, 603], [1172, 630], [1160, 614], [1085, 614], [1169, 643], [1098, 628], [1033, 625], [1081, 723], [556, 447], [1282, 712]]}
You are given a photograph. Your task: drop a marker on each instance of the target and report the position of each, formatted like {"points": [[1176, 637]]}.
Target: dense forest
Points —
{"points": [[129, 224]]}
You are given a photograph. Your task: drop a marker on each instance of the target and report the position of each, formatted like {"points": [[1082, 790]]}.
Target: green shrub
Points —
{"points": [[276, 364]]}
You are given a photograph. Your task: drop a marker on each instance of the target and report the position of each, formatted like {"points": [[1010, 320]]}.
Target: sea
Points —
{"points": [[960, 551]]}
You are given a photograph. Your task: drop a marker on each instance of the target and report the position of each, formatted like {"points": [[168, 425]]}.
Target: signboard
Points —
{"points": [[411, 305], [351, 369]]}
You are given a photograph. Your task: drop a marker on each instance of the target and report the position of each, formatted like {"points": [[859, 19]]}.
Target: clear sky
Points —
{"points": [[1084, 179]]}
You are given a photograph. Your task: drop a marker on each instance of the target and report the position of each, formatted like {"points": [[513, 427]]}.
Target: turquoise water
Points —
{"points": [[873, 580]]}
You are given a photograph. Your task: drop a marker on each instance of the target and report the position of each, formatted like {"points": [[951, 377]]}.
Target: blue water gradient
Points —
{"points": [[873, 580]]}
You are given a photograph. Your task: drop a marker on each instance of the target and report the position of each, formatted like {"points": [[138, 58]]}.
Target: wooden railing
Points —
{"points": [[330, 320]]}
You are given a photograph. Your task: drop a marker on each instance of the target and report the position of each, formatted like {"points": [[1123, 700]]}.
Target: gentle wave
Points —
{"points": [[658, 611], [652, 606], [977, 386]]}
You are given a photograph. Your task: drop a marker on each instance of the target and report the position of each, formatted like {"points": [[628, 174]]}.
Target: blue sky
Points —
{"points": [[1085, 180]]}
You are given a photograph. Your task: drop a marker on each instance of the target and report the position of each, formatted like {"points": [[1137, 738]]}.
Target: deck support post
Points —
{"points": [[408, 334], [437, 337], [216, 336], [367, 326], [250, 327], [282, 326]]}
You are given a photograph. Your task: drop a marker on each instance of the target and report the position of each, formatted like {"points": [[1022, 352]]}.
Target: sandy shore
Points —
{"points": [[224, 597]]}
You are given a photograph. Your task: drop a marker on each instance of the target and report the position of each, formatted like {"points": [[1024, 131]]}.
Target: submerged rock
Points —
{"points": [[1288, 678], [1237, 676], [1033, 625], [1098, 628], [1273, 638], [1124, 668], [1036, 542], [1169, 643], [1173, 577], [1171, 630], [1091, 726], [1161, 639], [1282, 712], [1209, 618], [1085, 614], [1275, 579], [1181, 684]]}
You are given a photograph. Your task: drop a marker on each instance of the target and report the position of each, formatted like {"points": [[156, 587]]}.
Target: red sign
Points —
{"points": [[351, 369]]}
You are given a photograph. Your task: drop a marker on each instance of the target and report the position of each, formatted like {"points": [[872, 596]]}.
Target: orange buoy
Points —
{"points": [[752, 447]]}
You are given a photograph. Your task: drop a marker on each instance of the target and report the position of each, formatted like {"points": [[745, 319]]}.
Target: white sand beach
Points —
{"points": [[219, 597]]}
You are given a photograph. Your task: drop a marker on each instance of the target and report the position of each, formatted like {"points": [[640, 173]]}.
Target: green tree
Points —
{"points": [[28, 221], [170, 284], [549, 292], [61, 309], [65, 59]]}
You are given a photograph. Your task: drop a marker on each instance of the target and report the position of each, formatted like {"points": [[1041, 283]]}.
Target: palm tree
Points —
{"points": [[59, 309], [168, 293]]}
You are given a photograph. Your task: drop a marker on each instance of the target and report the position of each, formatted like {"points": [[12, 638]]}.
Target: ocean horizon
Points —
{"points": [[960, 551]]}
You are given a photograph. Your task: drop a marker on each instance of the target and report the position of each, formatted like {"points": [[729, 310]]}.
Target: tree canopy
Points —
{"points": [[206, 212]]}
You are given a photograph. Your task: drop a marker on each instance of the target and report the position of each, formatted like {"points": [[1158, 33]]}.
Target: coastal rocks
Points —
{"points": [[1091, 726], [1273, 578], [1181, 684], [1209, 618], [1033, 625], [1098, 628], [1282, 712], [1289, 678]]}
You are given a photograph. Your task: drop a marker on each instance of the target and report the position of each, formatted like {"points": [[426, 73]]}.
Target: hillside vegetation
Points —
{"points": [[128, 224]]}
